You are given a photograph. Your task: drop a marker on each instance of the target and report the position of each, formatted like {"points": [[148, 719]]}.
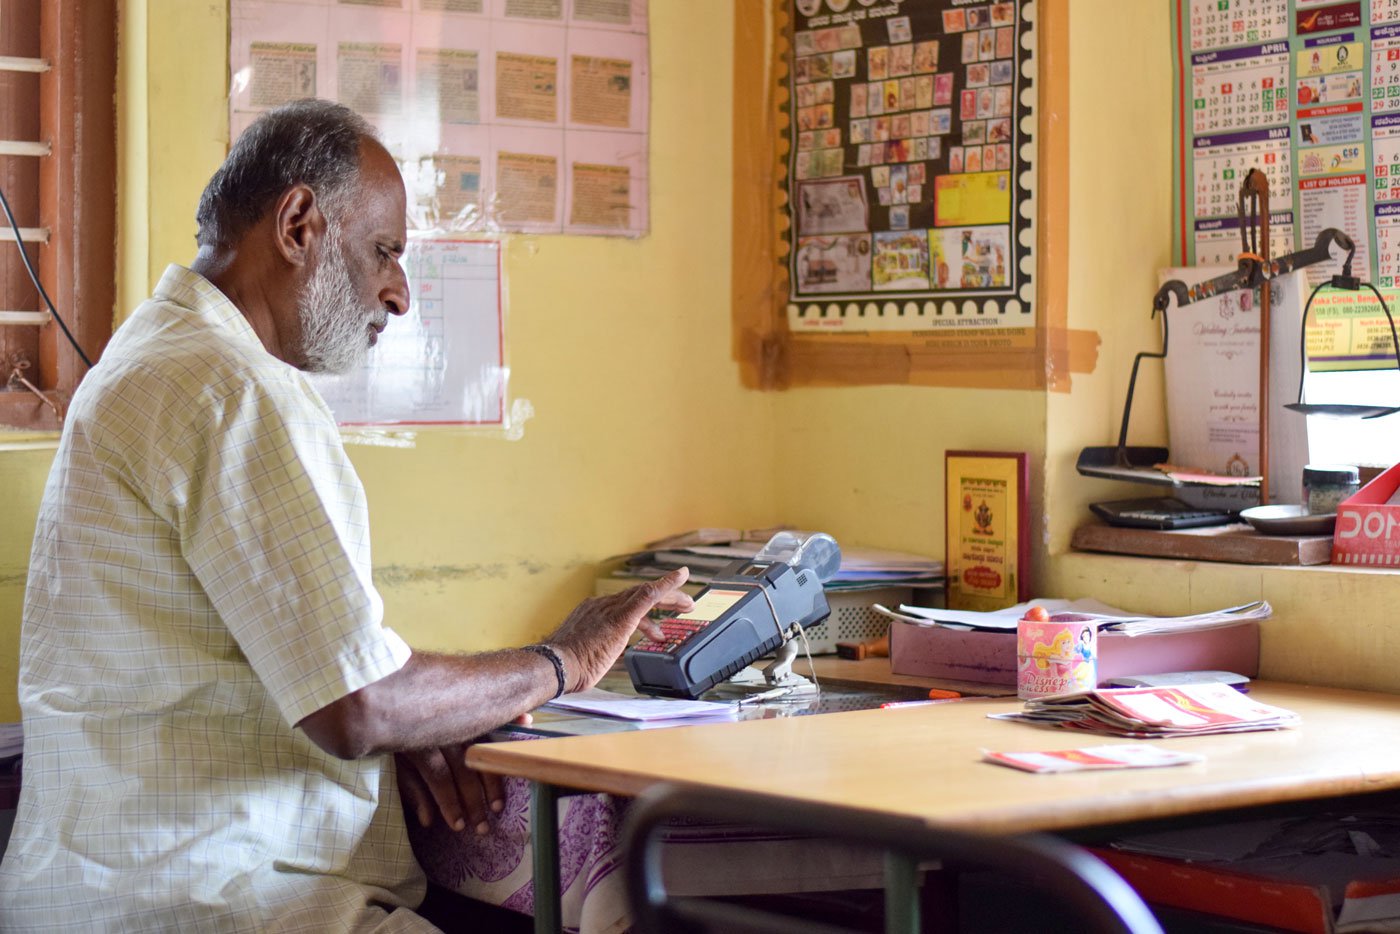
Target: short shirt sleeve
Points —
{"points": [[275, 527]]}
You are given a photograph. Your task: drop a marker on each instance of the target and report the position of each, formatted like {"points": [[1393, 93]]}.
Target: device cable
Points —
{"points": [[811, 665]]}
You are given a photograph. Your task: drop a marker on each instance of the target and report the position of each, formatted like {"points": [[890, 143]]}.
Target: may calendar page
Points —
{"points": [[1308, 92]]}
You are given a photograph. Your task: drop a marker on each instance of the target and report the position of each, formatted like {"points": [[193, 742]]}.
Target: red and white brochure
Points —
{"points": [[1127, 756]]}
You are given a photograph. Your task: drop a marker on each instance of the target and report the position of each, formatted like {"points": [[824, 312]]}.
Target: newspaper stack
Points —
{"points": [[1148, 713]]}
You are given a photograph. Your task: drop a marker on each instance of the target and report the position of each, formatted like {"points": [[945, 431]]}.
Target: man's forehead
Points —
{"points": [[375, 160], [381, 189]]}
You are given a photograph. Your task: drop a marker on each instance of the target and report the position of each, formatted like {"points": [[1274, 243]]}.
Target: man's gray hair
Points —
{"points": [[307, 142]]}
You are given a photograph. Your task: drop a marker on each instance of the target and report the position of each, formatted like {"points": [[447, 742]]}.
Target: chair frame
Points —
{"points": [[1071, 876]]}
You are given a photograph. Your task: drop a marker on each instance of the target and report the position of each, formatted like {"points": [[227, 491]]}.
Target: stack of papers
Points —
{"points": [[1110, 619], [707, 552], [1146, 713], [695, 537], [644, 709], [872, 566], [1091, 758]]}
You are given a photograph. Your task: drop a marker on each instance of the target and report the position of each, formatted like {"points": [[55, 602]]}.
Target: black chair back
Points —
{"points": [[1097, 896]]}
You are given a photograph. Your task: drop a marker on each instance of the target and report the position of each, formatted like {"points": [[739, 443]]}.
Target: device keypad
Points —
{"points": [[676, 631]]}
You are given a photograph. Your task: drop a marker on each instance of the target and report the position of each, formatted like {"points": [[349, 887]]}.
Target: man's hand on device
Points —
{"points": [[593, 636]]}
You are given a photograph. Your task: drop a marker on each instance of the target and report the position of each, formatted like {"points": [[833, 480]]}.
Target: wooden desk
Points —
{"points": [[922, 762]]}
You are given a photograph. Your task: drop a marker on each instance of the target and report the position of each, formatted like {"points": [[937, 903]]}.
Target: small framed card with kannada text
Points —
{"points": [[987, 529]]}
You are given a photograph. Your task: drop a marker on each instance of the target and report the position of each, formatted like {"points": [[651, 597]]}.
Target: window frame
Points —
{"points": [[77, 182]]}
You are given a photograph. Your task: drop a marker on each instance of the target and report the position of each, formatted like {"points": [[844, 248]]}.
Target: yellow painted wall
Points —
{"points": [[22, 475], [1120, 235], [867, 464]]}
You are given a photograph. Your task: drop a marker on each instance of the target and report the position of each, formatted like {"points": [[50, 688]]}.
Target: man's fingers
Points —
{"points": [[645, 596], [663, 593], [414, 792], [493, 786], [470, 791], [676, 600], [672, 580], [441, 779], [435, 771]]}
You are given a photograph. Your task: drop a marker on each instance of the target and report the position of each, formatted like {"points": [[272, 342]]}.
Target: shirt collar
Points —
{"points": [[190, 290]]}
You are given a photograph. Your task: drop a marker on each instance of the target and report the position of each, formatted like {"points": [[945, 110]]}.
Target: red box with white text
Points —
{"points": [[1368, 524]]}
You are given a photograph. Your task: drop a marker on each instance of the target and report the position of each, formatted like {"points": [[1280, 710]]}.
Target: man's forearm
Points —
{"points": [[439, 700], [433, 700]]}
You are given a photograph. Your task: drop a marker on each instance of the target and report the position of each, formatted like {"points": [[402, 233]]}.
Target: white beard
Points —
{"points": [[335, 326]]}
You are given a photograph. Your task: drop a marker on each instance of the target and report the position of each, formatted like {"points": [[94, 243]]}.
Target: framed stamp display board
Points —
{"points": [[910, 167]]}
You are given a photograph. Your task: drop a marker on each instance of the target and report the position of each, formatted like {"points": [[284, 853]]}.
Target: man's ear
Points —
{"points": [[297, 224]]}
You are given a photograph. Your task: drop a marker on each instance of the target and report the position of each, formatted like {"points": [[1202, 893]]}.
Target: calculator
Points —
{"points": [[1159, 512]]}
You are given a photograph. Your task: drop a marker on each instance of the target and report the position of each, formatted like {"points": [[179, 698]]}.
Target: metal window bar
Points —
{"points": [[16, 63], [30, 234], [16, 147], [17, 376], [24, 317]]}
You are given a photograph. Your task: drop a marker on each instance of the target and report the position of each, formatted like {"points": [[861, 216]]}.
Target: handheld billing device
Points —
{"points": [[749, 609]]}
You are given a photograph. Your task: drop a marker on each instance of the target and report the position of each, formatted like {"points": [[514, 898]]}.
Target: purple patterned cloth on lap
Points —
{"points": [[497, 868], [702, 859]]}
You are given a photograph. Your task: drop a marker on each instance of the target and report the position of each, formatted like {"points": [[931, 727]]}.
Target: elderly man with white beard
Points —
{"points": [[212, 701]]}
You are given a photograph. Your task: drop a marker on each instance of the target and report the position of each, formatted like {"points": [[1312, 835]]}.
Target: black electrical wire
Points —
{"points": [[34, 277]]}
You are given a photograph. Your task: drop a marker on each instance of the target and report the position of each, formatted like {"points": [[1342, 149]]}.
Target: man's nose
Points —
{"points": [[395, 296]]}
